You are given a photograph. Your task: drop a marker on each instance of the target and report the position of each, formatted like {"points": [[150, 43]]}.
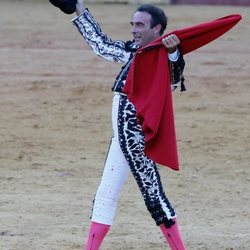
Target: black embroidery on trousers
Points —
{"points": [[144, 170]]}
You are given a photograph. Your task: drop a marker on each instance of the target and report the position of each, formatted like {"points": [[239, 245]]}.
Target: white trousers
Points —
{"points": [[115, 173], [126, 154]]}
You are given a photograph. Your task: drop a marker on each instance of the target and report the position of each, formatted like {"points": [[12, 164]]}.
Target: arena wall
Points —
{"points": [[213, 2], [130, 1]]}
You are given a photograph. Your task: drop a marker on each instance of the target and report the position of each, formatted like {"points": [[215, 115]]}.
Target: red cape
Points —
{"points": [[148, 87]]}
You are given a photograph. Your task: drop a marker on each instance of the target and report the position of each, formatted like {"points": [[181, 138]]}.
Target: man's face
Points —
{"points": [[141, 28]]}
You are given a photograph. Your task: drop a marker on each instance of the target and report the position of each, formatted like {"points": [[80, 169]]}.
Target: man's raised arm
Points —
{"points": [[80, 7]]}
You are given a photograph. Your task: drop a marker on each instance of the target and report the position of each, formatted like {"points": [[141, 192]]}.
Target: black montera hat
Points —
{"points": [[66, 6]]}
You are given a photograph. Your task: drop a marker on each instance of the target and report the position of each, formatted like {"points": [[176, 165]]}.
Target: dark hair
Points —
{"points": [[157, 14]]}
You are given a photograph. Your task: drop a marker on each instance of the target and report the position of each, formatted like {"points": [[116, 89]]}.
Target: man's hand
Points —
{"points": [[80, 7], [170, 42]]}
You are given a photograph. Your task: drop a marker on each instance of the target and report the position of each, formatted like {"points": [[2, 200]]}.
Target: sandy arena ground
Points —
{"points": [[55, 127]]}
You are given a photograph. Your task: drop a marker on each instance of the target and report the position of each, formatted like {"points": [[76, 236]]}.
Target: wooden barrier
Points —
{"points": [[130, 1], [212, 2]]}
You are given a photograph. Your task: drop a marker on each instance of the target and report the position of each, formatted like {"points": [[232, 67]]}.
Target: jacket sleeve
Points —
{"points": [[176, 71], [98, 41]]}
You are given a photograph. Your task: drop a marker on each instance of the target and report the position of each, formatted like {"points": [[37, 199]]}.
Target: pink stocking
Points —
{"points": [[173, 236], [97, 233]]}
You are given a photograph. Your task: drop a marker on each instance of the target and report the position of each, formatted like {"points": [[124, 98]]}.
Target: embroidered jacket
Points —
{"points": [[119, 51]]}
